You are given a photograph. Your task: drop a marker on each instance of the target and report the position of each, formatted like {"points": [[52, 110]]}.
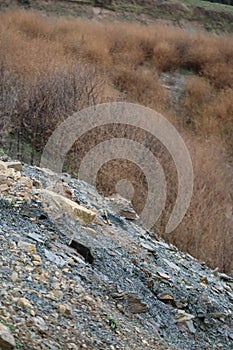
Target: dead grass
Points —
{"points": [[209, 111], [51, 68], [206, 231]]}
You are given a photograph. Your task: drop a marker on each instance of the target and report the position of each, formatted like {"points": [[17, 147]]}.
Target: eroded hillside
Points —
{"points": [[77, 275]]}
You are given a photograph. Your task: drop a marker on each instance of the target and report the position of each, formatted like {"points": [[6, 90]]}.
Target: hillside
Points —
{"points": [[75, 274], [188, 14], [78, 267]]}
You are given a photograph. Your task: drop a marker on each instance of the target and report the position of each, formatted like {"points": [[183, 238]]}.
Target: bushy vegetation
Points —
{"points": [[51, 68]]}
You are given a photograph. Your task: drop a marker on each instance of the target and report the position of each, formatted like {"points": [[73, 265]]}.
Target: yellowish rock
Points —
{"points": [[65, 205], [36, 257], [65, 309], [4, 188], [14, 165], [30, 248], [24, 303]]}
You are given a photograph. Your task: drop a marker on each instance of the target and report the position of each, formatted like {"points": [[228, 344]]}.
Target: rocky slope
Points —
{"points": [[78, 271]]}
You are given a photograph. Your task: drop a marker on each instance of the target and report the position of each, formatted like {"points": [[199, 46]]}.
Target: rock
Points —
{"points": [[14, 276], [3, 166], [50, 295], [35, 237], [62, 189], [7, 341], [162, 275], [54, 258], [24, 303], [27, 246], [36, 259], [4, 187], [165, 297], [14, 165], [183, 316], [65, 309], [150, 247], [65, 205], [72, 346], [136, 306], [40, 324], [123, 207]]}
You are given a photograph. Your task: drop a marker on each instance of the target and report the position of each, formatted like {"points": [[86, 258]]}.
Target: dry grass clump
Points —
{"points": [[142, 86], [206, 231], [52, 68], [209, 111]]}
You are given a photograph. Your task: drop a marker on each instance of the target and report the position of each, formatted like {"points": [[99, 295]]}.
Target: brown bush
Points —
{"points": [[206, 231]]}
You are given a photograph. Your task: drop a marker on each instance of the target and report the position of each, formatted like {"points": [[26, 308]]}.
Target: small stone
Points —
{"points": [[144, 342], [30, 248], [36, 257], [3, 166], [65, 309], [14, 165], [40, 324], [183, 316], [190, 326], [58, 294], [14, 276], [32, 313], [4, 188], [24, 303], [54, 258], [7, 341], [72, 346]]}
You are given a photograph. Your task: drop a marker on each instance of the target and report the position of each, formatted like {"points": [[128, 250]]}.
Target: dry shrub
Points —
{"points": [[133, 43], [41, 105], [206, 231], [198, 94], [165, 56], [83, 41], [168, 50], [209, 111], [142, 86], [31, 26], [202, 51], [221, 111], [220, 74]]}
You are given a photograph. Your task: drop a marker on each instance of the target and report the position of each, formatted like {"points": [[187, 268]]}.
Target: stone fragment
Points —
{"points": [[136, 306], [36, 257], [14, 165], [123, 207], [40, 324], [148, 246], [7, 341], [54, 258], [28, 247], [14, 276], [24, 303], [65, 309], [4, 188], [3, 166], [35, 237], [183, 316], [72, 209]]}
